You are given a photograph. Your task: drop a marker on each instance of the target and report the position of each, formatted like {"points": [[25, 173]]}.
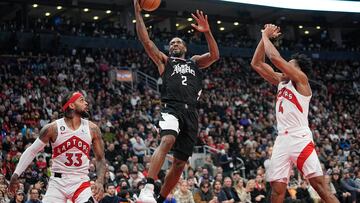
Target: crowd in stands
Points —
{"points": [[236, 119], [239, 37]]}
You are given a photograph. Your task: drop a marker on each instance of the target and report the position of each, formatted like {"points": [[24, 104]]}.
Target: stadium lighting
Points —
{"points": [[59, 7], [306, 32], [222, 29], [35, 5], [96, 17], [319, 5], [189, 19], [218, 22], [147, 15], [47, 14], [301, 27], [134, 21], [318, 27], [108, 11], [86, 10], [177, 24], [236, 23]]}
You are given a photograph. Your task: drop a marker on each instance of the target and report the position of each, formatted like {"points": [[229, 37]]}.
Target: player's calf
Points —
{"points": [[318, 183]]}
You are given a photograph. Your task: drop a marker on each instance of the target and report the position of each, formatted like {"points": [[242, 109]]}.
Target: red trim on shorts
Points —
{"points": [[78, 191], [304, 154]]}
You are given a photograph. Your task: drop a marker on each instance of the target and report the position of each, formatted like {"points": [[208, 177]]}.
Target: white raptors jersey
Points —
{"points": [[292, 110], [71, 149]]}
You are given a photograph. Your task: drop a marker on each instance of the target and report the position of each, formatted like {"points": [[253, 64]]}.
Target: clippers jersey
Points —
{"points": [[182, 81], [71, 149], [292, 109]]}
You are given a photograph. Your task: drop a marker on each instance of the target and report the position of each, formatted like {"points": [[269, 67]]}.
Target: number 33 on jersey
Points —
{"points": [[71, 149]]}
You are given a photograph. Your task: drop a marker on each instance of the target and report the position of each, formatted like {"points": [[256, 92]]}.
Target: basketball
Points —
{"points": [[149, 5]]}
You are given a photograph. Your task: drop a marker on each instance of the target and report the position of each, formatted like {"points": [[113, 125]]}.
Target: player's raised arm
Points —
{"points": [[295, 74], [154, 53], [205, 60], [264, 69], [98, 148], [46, 134]]}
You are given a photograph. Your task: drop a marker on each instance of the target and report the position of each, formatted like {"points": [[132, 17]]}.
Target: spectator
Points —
{"points": [[111, 196], [139, 148], [19, 197], [341, 193], [241, 190], [302, 193], [183, 194], [349, 185], [204, 193], [34, 196], [228, 192]]}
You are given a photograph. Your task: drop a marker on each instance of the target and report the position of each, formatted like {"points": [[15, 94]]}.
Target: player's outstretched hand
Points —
{"points": [[271, 31], [202, 22], [14, 184], [98, 191], [137, 6]]}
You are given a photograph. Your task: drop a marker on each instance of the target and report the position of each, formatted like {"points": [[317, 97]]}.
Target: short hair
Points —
{"points": [[66, 98], [204, 182], [109, 185], [303, 61], [184, 43]]}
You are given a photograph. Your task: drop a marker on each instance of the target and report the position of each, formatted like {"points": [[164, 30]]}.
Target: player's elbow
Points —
{"points": [[255, 65], [215, 56]]}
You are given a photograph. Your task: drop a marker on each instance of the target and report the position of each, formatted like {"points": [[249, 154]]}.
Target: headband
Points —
{"points": [[72, 100]]}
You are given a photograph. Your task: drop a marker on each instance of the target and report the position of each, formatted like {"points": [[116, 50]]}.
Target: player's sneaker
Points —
{"points": [[147, 194]]}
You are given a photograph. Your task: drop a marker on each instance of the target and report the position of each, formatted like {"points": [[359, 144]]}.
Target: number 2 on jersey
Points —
{"points": [[184, 80], [70, 160]]}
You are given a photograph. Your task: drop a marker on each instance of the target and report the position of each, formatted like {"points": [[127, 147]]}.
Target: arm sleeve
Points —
{"points": [[28, 156]]}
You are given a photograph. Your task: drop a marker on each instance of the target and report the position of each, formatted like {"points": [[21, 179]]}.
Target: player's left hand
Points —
{"points": [[98, 191], [202, 22], [271, 31]]}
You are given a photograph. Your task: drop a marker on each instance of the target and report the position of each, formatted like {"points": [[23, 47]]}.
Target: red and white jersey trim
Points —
{"points": [[292, 109]]}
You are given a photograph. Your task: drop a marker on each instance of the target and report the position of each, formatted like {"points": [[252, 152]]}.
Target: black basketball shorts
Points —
{"points": [[182, 122]]}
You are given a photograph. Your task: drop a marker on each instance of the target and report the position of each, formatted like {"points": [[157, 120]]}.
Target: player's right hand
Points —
{"points": [[137, 6], [14, 184], [271, 31]]}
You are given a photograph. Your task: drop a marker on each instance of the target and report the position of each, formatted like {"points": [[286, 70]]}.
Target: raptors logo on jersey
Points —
{"points": [[71, 149], [291, 108]]}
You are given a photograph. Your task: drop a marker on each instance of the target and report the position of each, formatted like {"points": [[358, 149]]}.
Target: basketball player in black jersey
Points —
{"points": [[182, 82]]}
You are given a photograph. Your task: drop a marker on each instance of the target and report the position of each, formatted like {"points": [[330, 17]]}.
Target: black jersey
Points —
{"points": [[182, 81]]}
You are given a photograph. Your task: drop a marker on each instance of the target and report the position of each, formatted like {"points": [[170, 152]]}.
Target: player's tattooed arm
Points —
{"points": [[48, 132], [98, 147], [154, 53]]}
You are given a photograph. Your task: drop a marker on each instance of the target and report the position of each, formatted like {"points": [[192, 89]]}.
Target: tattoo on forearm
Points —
{"points": [[99, 153]]}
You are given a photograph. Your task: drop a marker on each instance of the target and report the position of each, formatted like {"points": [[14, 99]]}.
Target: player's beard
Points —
{"points": [[83, 113], [176, 53]]}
